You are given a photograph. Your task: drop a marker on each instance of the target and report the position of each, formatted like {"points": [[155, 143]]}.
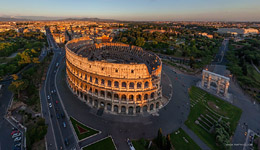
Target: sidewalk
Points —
{"points": [[195, 138]]}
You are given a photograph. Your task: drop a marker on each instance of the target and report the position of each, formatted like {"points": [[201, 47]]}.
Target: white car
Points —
{"points": [[50, 105], [48, 97], [17, 139], [16, 135], [130, 144]]}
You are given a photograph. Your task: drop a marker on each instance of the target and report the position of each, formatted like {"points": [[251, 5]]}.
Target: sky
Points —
{"points": [[137, 10]]}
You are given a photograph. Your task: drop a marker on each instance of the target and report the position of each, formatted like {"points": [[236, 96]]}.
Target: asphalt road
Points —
{"points": [[57, 133]]}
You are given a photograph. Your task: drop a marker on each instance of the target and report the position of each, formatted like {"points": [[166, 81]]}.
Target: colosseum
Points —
{"points": [[119, 78]]}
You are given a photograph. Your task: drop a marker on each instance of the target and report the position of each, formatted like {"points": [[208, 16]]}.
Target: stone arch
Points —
{"points": [[123, 97], [130, 110], [102, 93], [123, 109], [116, 108], [146, 97], [109, 106], [123, 85], [116, 84], [138, 97], [139, 85], [116, 96], [146, 84], [145, 108], [102, 82], [102, 104], [131, 97], [109, 95], [95, 103], [152, 95], [90, 100], [109, 83], [138, 109], [131, 85], [96, 92], [151, 106], [157, 105]]}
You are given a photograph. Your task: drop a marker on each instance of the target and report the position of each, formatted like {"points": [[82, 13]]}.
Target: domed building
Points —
{"points": [[120, 78]]}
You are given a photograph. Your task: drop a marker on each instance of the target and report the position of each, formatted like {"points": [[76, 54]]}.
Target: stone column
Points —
{"points": [[134, 109], [226, 88], [119, 109], [202, 81], [126, 109], [218, 86], [209, 81]]}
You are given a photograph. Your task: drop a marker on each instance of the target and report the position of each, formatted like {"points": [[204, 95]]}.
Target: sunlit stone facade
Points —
{"points": [[117, 77]]}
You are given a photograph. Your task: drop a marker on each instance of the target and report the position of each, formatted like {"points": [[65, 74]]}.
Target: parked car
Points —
{"points": [[16, 135], [15, 131], [130, 144], [18, 145], [58, 116], [57, 102], [64, 124], [66, 141], [62, 115], [17, 139], [50, 105], [48, 97]]}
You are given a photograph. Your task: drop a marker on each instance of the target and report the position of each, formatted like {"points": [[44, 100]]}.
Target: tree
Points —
{"points": [[140, 41], [159, 139], [18, 85], [168, 142]]}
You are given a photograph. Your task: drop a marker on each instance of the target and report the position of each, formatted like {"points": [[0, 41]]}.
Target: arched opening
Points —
{"points": [[90, 100], [109, 83], [96, 81], [90, 79], [151, 107], [123, 97], [145, 108], [109, 106], [152, 95], [96, 92], [130, 110], [157, 105], [139, 85], [213, 85], [116, 108], [123, 85], [85, 97], [95, 103], [102, 82], [109, 95], [138, 97], [123, 109], [146, 84], [138, 109], [116, 84], [131, 85], [146, 97], [90, 90], [131, 97], [102, 104], [102, 93], [116, 96]]}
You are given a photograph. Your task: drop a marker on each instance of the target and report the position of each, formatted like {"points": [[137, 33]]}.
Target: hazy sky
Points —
{"points": [[202, 10]]}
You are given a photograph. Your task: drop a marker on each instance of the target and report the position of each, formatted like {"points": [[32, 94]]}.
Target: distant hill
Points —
{"points": [[89, 19], [12, 19], [42, 18]]}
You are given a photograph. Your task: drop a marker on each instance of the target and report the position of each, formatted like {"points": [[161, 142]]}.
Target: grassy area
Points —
{"points": [[179, 139], [213, 109], [81, 135], [105, 144], [182, 141]]}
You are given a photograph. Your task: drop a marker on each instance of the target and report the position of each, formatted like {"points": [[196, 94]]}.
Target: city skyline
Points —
{"points": [[145, 10]]}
